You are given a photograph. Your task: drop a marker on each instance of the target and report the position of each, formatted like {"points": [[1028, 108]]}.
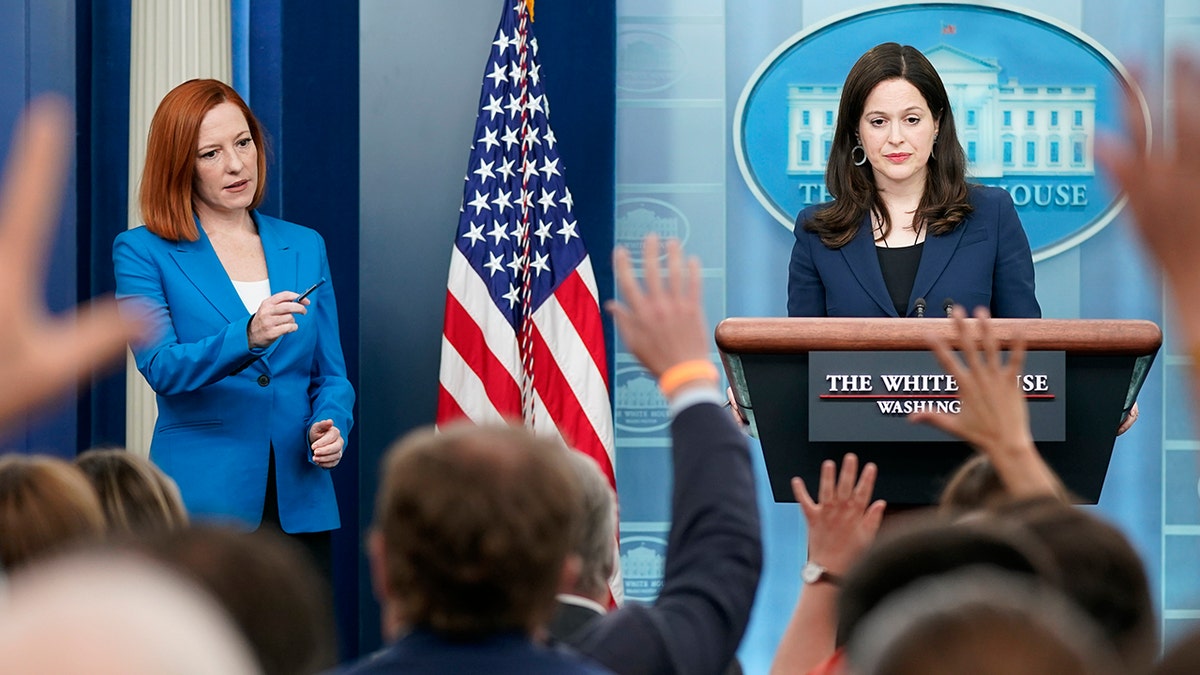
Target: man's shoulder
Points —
{"points": [[494, 657]]}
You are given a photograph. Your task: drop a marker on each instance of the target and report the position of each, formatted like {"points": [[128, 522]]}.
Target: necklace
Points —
{"points": [[877, 224]]}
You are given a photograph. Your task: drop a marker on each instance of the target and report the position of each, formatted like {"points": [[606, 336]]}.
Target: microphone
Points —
{"points": [[948, 306], [920, 307]]}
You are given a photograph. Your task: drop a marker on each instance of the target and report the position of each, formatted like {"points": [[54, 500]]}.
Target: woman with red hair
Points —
{"points": [[253, 401]]}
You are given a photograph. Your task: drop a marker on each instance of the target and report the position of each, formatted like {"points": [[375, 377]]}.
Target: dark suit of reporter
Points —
{"points": [[905, 223]]}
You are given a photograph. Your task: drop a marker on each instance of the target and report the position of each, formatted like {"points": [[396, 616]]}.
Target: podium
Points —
{"points": [[768, 363]]}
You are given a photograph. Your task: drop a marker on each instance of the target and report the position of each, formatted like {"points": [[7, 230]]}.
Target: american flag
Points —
{"points": [[523, 337]]}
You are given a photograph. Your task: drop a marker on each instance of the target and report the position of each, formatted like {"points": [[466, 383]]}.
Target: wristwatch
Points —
{"points": [[813, 573]]}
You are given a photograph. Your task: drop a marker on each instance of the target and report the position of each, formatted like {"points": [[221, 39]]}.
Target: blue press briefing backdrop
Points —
{"points": [[725, 113], [706, 120]]}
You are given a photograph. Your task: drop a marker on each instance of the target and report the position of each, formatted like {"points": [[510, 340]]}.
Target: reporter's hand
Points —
{"points": [[275, 317], [43, 356], [326, 444], [843, 521], [994, 416], [1162, 185], [662, 323]]}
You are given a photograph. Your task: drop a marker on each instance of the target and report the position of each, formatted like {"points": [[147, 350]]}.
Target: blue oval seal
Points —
{"points": [[1027, 118]]}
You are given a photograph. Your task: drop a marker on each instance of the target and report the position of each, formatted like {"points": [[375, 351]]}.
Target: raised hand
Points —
{"points": [[42, 356], [994, 417]]}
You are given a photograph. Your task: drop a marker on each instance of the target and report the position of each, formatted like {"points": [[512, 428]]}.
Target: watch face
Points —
{"points": [[811, 573]]}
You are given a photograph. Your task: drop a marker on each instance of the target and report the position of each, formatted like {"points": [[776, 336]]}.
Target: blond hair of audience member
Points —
{"points": [[136, 496], [268, 585], [106, 614], [45, 504], [980, 622], [473, 527]]}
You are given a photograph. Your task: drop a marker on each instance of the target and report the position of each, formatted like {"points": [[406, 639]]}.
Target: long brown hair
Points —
{"points": [[944, 203], [165, 196]]}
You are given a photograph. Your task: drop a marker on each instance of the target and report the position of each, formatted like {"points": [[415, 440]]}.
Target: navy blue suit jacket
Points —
{"points": [[423, 652], [218, 417], [985, 261], [714, 557]]}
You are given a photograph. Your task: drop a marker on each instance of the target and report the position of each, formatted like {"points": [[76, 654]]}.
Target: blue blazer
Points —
{"points": [[217, 425], [984, 261]]}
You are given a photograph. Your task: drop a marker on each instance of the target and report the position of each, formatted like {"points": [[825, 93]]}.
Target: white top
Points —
{"points": [[253, 293]]}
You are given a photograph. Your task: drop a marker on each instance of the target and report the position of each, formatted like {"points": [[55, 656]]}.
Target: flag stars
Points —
{"points": [[493, 106], [513, 106], [531, 137], [546, 201], [485, 170], [502, 202], [516, 264], [509, 138], [495, 263], [542, 233], [515, 73], [567, 199], [512, 295], [534, 73], [549, 138], [474, 233], [480, 202], [526, 198], [506, 169], [497, 75], [549, 168], [535, 104], [498, 232], [567, 230], [541, 263], [529, 168], [489, 139]]}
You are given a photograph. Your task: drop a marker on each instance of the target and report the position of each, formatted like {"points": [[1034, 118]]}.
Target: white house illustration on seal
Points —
{"points": [[1006, 129]]}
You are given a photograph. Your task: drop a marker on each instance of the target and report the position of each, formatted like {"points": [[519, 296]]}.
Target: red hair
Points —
{"points": [[166, 195]]}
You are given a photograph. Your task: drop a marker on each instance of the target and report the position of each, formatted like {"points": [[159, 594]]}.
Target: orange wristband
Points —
{"points": [[681, 373]]}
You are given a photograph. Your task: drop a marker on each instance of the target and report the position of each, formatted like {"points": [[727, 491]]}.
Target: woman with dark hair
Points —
{"points": [[253, 401], [905, 224]]}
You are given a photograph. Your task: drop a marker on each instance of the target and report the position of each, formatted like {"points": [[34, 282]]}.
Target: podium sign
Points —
{"points": [[867, 396], [774, 366]]}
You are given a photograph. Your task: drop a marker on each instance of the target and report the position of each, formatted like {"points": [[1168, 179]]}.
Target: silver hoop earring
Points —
{"points": [[860, 148]]}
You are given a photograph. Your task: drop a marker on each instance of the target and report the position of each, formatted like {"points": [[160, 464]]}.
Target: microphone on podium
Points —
{"points": [[920, 307], [948, 306]]}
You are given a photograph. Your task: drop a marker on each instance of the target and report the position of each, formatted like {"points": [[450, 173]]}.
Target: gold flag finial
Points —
{"points": [[529, 4]]}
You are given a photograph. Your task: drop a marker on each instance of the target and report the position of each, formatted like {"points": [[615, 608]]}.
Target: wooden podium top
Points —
{"points": [[740, 335]]}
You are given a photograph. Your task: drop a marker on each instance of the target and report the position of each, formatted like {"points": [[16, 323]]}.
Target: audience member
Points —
{"points": [[841, 525], [974, 486], [714, 547], [44, 355], [979, 622], [1101, 572], [46, 504], [587, 598], [267, 584], [928, 548], [105, 614], [136, 496], [473, 532]]}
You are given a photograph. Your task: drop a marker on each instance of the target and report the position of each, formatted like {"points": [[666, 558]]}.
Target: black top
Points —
{"points": [[899, 267]]}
